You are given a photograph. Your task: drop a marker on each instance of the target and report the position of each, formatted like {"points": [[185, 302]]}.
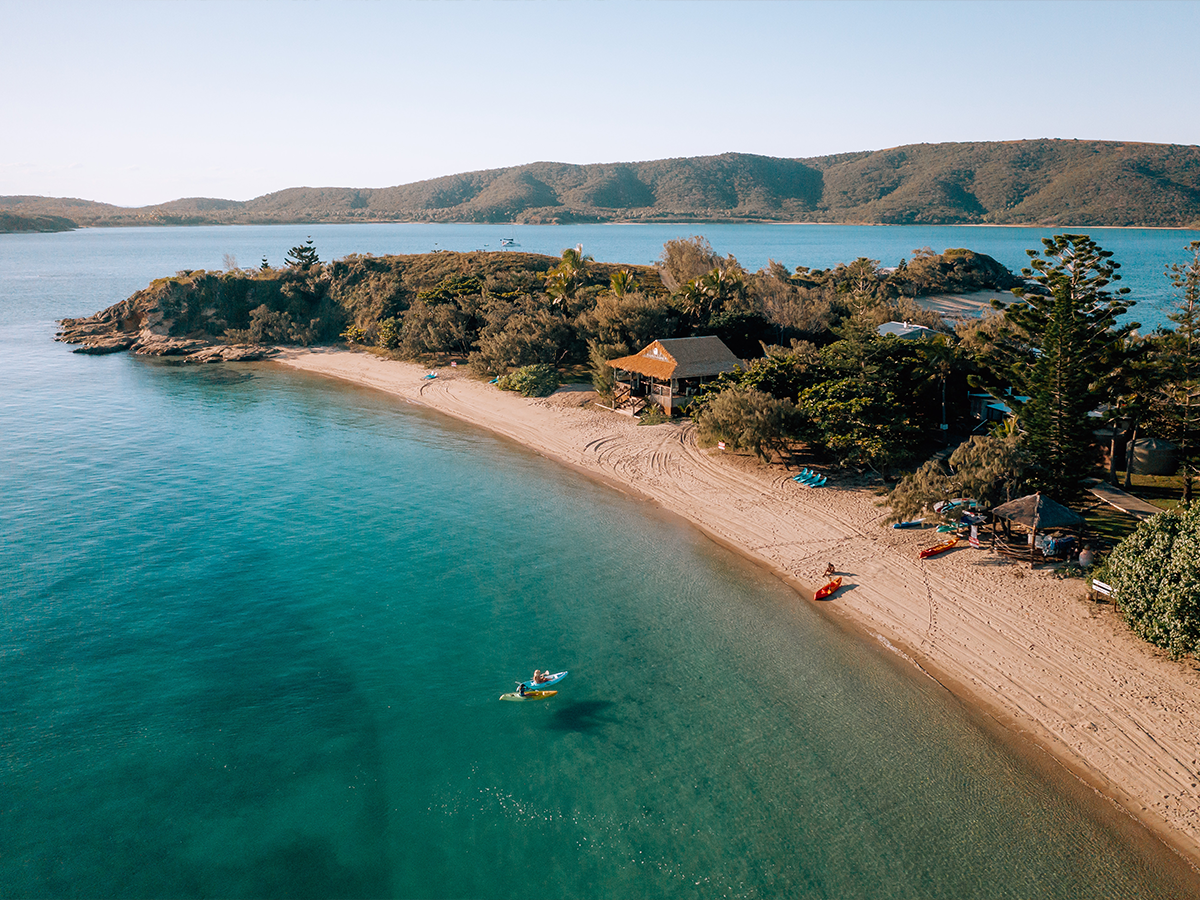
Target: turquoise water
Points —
{"points": [[255, 625]]}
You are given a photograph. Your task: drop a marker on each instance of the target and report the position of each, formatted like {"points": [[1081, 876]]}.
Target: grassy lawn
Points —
{"points": [[1109, 524], [1162, 491]]}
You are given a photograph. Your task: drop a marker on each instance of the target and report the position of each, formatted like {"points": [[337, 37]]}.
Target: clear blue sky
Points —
{"points": [[140, 102]]}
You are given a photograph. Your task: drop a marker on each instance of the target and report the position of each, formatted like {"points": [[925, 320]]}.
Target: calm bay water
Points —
{"points": [[255, 625]]}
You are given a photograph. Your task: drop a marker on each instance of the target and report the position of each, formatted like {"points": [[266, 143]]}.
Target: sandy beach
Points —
{"points": [[1024, 648]]}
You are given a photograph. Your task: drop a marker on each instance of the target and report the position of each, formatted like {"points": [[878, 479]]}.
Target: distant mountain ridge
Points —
{"points": [[1030, 182]]}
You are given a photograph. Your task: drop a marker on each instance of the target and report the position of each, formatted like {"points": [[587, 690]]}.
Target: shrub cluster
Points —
{"points": [[1155, 575], [538, 380]]}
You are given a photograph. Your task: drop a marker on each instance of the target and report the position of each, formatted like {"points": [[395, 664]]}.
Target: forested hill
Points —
{"points": [[13, 224], [1036, 182]]}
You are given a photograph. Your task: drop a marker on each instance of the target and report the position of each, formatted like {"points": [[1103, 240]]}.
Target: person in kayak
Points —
{"points": [[540, 677], [520, 689]]}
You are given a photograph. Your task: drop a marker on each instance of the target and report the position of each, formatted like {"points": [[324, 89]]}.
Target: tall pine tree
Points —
{"points": [[303, 256], [1183, 346], [1058, 351]]}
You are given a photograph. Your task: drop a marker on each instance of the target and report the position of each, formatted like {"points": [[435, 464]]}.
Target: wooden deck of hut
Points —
{"points": [[669, 372]]}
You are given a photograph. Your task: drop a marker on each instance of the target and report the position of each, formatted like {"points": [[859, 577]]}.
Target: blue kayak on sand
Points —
{"points": [[553, 679]]}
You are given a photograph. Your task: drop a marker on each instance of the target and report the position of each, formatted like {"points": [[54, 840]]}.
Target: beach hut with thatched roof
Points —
{"points": [[670, 371], [1039, 514]]}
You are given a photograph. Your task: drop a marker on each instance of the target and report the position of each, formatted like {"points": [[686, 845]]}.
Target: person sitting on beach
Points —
{"points": [[829, 570]]}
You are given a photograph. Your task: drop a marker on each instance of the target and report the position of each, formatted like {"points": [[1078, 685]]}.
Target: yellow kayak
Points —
{"points": [[528, 695]]}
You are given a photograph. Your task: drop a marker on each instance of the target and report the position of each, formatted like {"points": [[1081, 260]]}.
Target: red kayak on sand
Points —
{"points": [[829, 589], [938, 548]]}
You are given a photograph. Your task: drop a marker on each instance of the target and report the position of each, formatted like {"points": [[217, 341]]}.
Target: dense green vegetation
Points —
{"points": [[1064, 364], [1155, 575], [828, 378], [538, 380], [1059, 353], [1032, 182]]}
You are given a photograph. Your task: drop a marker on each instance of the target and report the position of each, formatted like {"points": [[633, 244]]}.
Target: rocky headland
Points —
{"points": [[141, 327]]}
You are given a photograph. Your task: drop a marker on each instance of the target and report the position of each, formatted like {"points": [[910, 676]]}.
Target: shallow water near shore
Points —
{"points": [[255, 626]]}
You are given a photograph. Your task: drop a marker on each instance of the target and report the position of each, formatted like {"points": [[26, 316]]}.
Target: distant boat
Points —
{"points": [[509, 242]]}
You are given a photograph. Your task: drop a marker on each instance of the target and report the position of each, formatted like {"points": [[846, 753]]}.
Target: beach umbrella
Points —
{"points": [[1038, 512]]}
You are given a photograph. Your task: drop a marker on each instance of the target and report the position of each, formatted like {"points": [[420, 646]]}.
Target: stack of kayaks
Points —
{"points": [[808, 478], [535, 692]]}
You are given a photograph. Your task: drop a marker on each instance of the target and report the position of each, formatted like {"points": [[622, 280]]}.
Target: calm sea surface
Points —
{"points": [[254, 625]]}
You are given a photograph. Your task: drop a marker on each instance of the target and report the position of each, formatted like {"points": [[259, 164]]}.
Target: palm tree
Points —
{"points": [[707, 295], [941, 356], [622, 283], [569, 275]]}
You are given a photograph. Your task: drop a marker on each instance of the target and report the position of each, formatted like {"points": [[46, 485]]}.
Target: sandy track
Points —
{"points": [[1021, 645]]}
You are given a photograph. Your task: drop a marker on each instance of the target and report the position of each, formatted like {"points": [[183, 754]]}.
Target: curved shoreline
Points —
{"points": [[1023, 650]]}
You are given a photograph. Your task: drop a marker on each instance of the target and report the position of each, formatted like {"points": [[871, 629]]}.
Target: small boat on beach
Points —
{"points": [[528, 695], [938, 548], [911, 523], [828, 590]]}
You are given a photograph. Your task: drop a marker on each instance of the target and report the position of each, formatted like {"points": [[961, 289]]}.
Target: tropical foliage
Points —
{"points": [[1155, 576], [538, 380], [746, 419], [986, 468]]}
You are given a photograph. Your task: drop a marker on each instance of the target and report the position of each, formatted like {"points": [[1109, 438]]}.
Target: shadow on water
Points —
{"points": [[582, 715], [309, 867], [209, 373]]}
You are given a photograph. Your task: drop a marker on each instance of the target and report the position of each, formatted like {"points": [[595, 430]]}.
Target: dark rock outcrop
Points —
{"points": [[141, 325]]}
